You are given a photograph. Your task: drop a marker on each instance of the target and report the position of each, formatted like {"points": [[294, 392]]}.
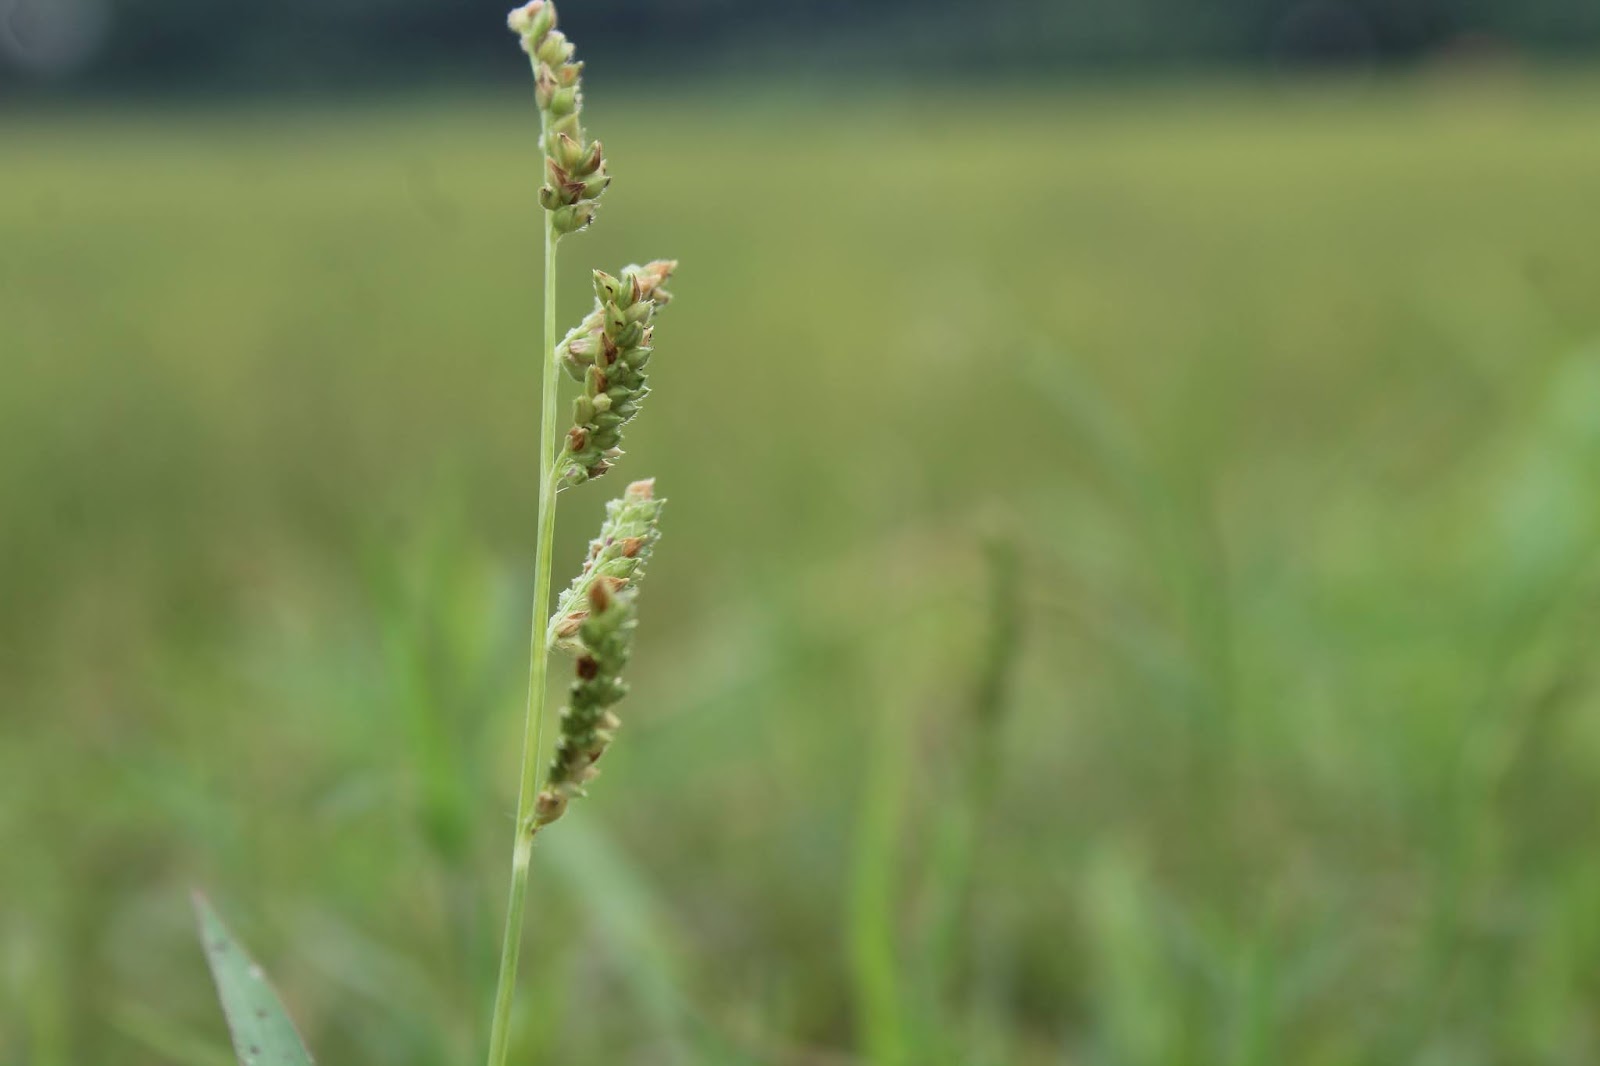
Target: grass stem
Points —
{"points": [[538, 661]]}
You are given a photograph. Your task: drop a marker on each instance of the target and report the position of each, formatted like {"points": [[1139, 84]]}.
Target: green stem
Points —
{"points": [[538, 662]]}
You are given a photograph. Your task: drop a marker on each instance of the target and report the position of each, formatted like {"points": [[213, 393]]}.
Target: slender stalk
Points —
{"points": [[538, 662]]}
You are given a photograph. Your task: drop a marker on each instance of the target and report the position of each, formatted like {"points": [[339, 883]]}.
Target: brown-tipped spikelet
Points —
{"points": [[616, 558], [587, 725], [608, 352], [575, 168]]}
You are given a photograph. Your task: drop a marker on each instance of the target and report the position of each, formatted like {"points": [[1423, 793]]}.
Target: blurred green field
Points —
{"points": [[1287, 401]]}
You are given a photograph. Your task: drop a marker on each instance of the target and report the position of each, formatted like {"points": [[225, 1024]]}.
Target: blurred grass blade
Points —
{"points": [[629, 918], [956, 949], [875, 964], [263, 1035]]}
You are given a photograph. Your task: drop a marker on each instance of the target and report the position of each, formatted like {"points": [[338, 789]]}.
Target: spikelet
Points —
{"points": [[575, 168], [617, 558], [608, 352], [587, 723]]}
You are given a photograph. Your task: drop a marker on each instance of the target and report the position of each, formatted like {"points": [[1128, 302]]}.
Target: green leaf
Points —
{"points": [[263, 1035]]}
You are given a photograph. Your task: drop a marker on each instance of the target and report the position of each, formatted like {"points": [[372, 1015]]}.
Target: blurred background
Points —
{"points": [[1128, 594]]}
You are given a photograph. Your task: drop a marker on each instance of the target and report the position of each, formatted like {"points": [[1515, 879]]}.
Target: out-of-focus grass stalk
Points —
{"points": [[538, 658], [955, 946], [873, 903], [1002, 647], [912, 1013]]}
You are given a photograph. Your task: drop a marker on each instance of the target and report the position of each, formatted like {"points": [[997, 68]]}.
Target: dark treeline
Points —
{"points": [[200, 43]]}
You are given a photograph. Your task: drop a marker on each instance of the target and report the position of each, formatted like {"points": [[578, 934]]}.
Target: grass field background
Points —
{"points": [[1286, 401]]}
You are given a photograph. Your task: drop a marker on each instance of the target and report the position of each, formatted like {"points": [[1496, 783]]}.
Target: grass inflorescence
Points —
{"points": [[595, 621], [608, 352]]}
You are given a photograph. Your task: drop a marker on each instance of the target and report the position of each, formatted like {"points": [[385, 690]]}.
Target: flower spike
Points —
{"points": [[587, 723], [575, 168], [608, 352], [616, 558]]}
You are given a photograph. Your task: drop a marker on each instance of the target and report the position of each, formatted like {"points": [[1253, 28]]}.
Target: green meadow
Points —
{"points": [[1128, 594]]}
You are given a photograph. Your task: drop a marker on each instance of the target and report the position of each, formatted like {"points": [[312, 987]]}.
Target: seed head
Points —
{"points": [[608, 352], [575, 167], [587, 724], [614, 564]]}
